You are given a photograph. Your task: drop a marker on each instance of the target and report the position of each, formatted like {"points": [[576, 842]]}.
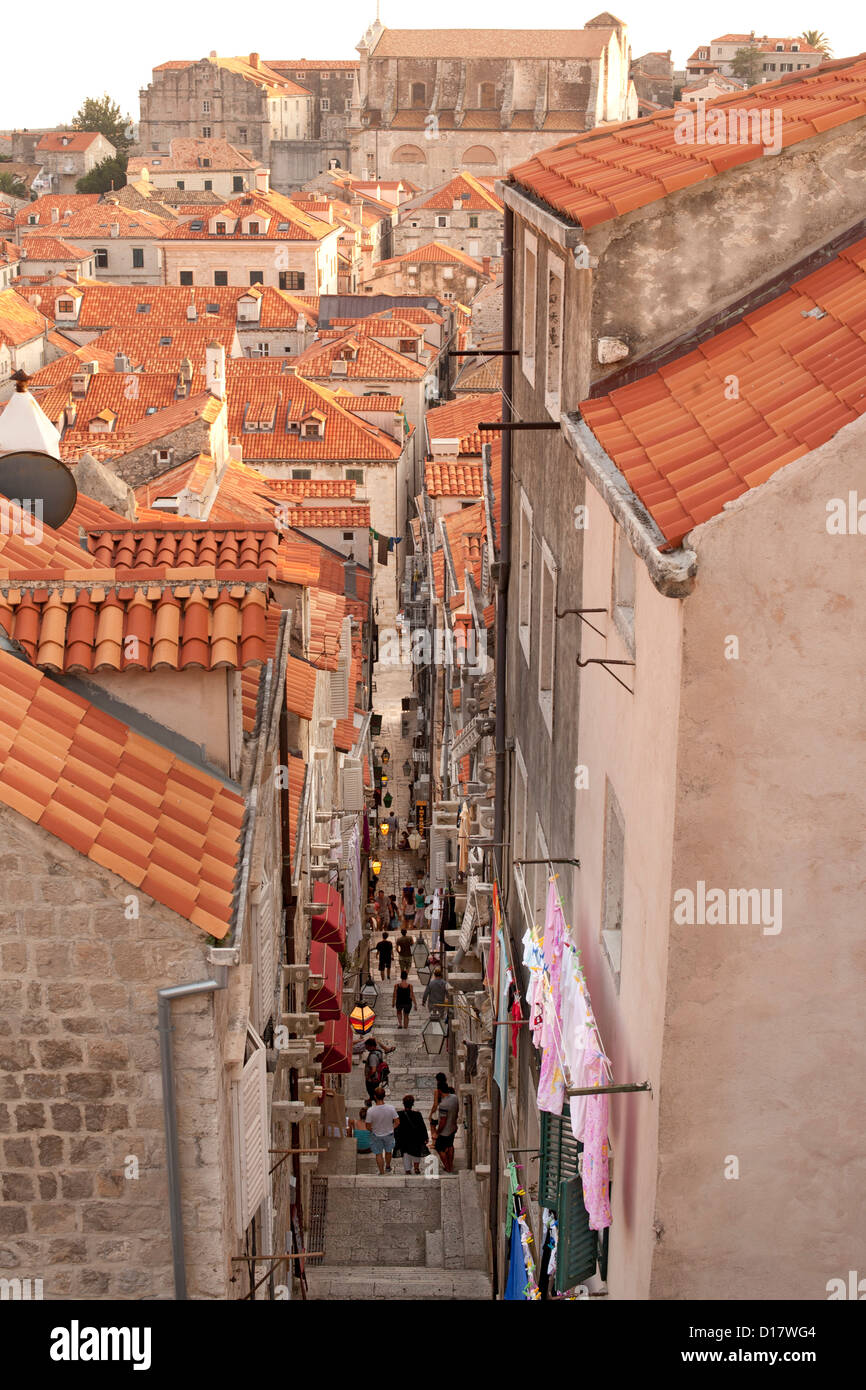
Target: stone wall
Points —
{"points": [[81, 1087], [140, 465], [420, 225], [295, 162]]}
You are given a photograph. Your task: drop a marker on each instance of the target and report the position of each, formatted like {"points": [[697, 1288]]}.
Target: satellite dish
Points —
{"points": [[31, 471], [37, 481]]}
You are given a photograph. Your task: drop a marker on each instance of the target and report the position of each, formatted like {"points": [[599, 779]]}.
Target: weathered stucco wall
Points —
{"points": [[666, 267], [762, 1050], [630, 741]]}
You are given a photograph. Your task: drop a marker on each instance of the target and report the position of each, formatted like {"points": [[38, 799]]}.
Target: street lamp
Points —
{"points": [[414, 840], [362, 1020], [434, 1034], [407, 768], [384, 827], [420, 954], [386, 756], [369, 993], [376, 866]]}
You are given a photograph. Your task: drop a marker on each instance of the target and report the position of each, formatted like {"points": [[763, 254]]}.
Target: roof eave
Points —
{"points": [[672, 572], [561, 230]]}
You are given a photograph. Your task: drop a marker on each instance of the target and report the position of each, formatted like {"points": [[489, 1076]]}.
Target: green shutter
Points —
{"points": [[559, 1157], [577, 1248]]}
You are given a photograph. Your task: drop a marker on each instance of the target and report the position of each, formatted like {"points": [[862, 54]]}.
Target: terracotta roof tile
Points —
{"points": [[478, 198], [372, 361], [333, 517], [605, 173], [686, 449], [50, 738]]}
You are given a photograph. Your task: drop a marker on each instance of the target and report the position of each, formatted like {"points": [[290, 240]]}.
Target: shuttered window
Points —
{"points": [[266, 949], [352, 785], [250, 1114], [560, 1188]]}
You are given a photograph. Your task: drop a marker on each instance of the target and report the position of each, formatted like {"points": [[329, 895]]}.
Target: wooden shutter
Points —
{"points": [[264, 957], [560, 1155], [250, 1096], [577, 1248], [352, 781]]}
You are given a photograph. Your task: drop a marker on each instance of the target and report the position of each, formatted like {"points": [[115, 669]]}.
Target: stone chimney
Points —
{"points": [[485, 261], [263, 181], [215, 370], [115, 229], [254, 60], [55, 214]]}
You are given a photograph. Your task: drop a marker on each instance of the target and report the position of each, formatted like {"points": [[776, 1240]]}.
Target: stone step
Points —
{"points": [[451, 1221], [390, 1282], [434, 1257], [474, 1237]]}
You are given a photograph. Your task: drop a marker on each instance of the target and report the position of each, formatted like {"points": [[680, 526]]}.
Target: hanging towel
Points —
{"points": [[516, 1268]]}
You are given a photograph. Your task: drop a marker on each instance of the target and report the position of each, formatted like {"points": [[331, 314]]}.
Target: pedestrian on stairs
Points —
{"points": [[385, 952], [446, 1123], [381, 1122], [376, 1069], [411, 1135], [403, 1000], [405, 942]]}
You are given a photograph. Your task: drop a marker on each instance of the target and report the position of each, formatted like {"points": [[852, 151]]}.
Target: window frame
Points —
{"points": [[623, 588], [529, 310], [524, 567], [100, 257], [554, 340], [138, 258], [611, 937], [220, 284], [182, 273], [547, 635]]}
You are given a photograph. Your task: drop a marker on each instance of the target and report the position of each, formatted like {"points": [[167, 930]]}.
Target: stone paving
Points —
{"points": [[396, 1237]]}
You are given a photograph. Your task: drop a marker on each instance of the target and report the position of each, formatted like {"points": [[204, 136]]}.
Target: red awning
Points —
{"points": [[335, 1041], [329, 917], [327, 999]]}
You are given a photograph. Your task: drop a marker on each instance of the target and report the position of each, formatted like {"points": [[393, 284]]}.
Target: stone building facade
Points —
{"points": [[235, 99], [465, 213], [430, 102]]}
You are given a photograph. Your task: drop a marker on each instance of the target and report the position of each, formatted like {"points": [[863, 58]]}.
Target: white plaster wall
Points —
{"points": [[194, 703]]}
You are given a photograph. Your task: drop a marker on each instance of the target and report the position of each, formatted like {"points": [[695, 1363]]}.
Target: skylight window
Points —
{"points": [[212, 309], [165, 342], [283, 227], [142, 308], [196, 226]]}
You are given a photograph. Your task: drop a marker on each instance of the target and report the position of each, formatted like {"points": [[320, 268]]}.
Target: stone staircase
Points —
{"points": [[402, 1238]]}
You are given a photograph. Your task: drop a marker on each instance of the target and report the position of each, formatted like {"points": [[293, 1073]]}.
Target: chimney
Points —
{"points": [[485, 261], [215, 370], [191, 312], [263, 182], [254, 60], [69, 415], [213, 53], [80, 383], [55, 214], [122, 362], [115, 229]]}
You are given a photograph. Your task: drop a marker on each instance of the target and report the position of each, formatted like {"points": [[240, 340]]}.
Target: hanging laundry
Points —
{"points": [[516, 1268], [515, 1029], [596, 1176]]}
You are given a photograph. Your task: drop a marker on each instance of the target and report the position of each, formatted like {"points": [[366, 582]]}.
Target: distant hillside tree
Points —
{"points": [[108, 174], [748, 65], [104, 115], [11, 184]]}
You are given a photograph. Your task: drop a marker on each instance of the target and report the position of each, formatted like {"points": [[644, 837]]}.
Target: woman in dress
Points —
{"points": [[403, 999], [411, 1136]]}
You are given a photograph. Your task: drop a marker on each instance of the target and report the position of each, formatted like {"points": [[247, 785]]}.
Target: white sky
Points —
{"points": [[79, 60]]}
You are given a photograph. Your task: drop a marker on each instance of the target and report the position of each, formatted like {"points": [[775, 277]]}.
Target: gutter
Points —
{"points": [[502, 577], [220, 957], [672, 572], [552, 225]]}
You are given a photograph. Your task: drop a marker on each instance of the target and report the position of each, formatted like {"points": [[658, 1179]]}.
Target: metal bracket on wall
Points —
{"points": [[579, 612], [607, 661], [609, 1090]]}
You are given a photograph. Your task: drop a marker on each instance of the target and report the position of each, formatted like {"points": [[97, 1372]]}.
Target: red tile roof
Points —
{"points": [[186, 153], [453, 478], [465, 188], [459, 419], [81, 625], [278, 217], [611, 170], [96, 221], [125, 802], [58, 140], [168, 547], [41, 208], [373, 360], [261, 389], [297, 489], [686, 448], [326, 624], [22, 552], [19, 321], [333, 517], [439, 253], [147, 352], [50, 248], [382, 405]]}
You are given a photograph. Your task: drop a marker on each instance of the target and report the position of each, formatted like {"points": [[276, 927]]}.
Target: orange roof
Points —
{"points": [[278, 217], [453, 478], [168, 547], [611, 170], [373, 361], [336, 518], [136, 306], [67, 140], [188, 153], [686, 448], [386, 405], [436, 251], [96, 221], [19, 321], [466, 189], [300, 686], [459, 419], [50, 248], [84, 624], [296, 489], [125, 802], [22, 553], [41, 208], [326, 624], [262, 390], [147, 352]]}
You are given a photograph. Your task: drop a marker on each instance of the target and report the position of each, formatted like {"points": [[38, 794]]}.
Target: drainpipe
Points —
{"points": [[220, 958], [501, 640]]}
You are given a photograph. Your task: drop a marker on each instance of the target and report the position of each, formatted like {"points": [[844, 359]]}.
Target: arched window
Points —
{"points": [[479, 154], [419, 93], [487, 96], [408, 154]]}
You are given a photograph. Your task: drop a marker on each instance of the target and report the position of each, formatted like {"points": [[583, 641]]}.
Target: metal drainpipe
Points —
{"points": [[165, 999], [501, 640]]}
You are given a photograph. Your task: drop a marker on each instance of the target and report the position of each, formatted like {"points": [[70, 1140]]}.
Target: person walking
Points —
{"points": [[419, 908], [447, 1111], [394, 825], [435, 994], [411, 1135], [393, 914], [376, 1069], [362, 1134], [403, 1000], [382, 1122], [405, 942], [385, 952]]}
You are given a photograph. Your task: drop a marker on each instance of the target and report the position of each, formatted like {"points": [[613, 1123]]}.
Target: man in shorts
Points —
{"points": [[382, 1120], [446, 1127]]}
